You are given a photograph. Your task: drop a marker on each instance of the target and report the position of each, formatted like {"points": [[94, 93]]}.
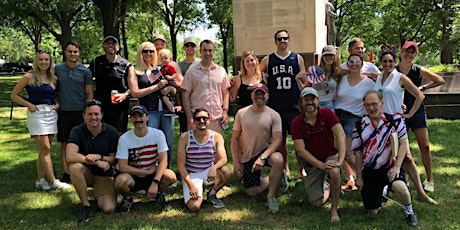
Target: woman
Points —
{"points": [[41, 85], [349, 106], [145, 84], [250, 75], [418, 122], [392, 84], [241, 89]]}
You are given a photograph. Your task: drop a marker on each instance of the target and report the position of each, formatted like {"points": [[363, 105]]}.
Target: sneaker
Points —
{"points": [[216, 202], [272, 205], [57, 184], [42, 184], [412, 220], [326, 185], [428, 186], [85, 213], [65, 178], [125, 205], [160, 198], [385, 193], [284, 183]]}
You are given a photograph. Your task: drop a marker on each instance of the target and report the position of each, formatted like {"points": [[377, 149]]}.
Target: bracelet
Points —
{"points": [[102, 156], [226, 110], [156, 181]]}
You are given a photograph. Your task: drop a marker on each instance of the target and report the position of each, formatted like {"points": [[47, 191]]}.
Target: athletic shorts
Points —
{"points": [[286, 120], [417, 121], [198, 179], [142, 183], [66, 121], [374, 181]]}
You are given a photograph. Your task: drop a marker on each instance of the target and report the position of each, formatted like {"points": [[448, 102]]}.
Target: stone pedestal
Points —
{"points": [[256, 21]]}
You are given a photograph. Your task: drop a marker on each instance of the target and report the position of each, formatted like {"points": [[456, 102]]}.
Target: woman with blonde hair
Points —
{"points": [[41, 86], [145, 83]]}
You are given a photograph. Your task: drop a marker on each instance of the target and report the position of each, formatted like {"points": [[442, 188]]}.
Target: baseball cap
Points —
{"points": [[329, 50], [189, 40], [308, 90], [138, 109], [260, 86], [112, 38], [409, 44], [159, 36]]}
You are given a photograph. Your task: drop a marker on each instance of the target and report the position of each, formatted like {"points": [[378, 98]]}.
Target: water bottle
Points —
{"points": [[224, 126]]}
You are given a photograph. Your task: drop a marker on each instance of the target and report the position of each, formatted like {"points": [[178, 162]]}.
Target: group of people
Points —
{"points": [[275, 97]]}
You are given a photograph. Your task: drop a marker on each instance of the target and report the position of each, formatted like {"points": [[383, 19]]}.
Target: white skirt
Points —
{"points": [[43, 121]]}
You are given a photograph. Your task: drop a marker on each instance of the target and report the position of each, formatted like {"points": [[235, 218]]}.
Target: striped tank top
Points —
{"points": [[199, 156]]}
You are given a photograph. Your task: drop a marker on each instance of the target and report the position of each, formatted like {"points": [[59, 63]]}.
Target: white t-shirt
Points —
{"points": [[142, 152], [350, 98]]}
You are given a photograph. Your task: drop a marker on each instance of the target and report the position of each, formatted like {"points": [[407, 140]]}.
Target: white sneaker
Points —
{"points": [[272, 205], [428, 186], [57, 184], [42, 184]]}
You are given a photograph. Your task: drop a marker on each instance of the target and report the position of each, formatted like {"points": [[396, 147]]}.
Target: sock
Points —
{"points": [[213, 192], [408, 209]]}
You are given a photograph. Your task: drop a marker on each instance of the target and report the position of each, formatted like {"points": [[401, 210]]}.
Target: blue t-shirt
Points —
{"points": [[71, 87]]}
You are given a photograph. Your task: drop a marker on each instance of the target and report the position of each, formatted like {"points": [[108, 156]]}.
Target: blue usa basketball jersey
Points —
{"points": [[282, 86]]}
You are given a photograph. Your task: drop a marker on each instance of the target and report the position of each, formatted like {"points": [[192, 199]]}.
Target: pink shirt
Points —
{"points": [[205, 86]]}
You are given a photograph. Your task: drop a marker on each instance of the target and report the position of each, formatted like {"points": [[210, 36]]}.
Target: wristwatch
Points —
{"points": [[262, 157], [156, 181]]}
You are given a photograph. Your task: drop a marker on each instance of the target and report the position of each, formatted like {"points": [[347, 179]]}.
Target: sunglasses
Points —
{"points": [[200, 118], [43, 51], [92, 102], [148, 51], [282, 38], [190, 45], [354, 62]]}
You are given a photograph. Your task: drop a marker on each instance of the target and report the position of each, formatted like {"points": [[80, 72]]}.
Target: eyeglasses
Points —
{"points": [[200, 118], [189, 44], [282, 38], [374, 104], [354, 62], [148, 51], [92, 102]]}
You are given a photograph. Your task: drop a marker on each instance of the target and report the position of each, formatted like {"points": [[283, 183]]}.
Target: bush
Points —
{"points": [[443, 68]]}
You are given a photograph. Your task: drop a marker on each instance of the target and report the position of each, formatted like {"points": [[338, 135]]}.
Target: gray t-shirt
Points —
{"points": [[71, 86], [185, 65]]}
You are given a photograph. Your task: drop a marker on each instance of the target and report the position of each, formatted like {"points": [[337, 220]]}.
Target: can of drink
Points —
{"points": [[224, 126], [114, 94]]}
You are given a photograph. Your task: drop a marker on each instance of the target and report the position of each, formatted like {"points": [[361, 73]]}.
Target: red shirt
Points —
{"points": [[319, 138]]}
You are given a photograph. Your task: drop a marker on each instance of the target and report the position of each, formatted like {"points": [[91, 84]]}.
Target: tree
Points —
{"points": [[220, 14], [178, 16]]}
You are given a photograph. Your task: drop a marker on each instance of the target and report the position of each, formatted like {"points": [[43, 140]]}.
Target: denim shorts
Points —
{"points": [[347, 120], [327, 104]]}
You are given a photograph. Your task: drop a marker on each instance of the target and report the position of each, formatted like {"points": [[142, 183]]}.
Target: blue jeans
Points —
{"points": [[158, 120]]}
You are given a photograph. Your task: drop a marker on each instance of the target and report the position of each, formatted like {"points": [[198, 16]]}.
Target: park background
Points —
{"points": [[30, 25]]}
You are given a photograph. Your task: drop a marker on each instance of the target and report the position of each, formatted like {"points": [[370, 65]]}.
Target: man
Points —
{"points": [[74, 89], [142, 160], [206, 86], [257, 135], [190, 50], [356, 46], [195, 161], [319, 125], [375, 141], [91, 155], [111, 73], [281, 67]]}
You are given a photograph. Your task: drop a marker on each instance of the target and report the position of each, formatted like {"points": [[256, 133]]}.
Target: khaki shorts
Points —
{"points": [[315, 180]]}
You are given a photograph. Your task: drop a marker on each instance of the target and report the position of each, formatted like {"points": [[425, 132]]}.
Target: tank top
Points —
{"points": [[150, 101], [200, 156], [244, 94], [392, 92], [282, 86], [41, 94], [414, 76]]}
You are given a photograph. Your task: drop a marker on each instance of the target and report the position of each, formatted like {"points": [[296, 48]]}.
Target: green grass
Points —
{"points": [[23, 207]]}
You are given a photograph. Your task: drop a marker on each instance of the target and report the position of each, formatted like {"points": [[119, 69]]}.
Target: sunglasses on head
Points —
{"points": [[200, 118], [189, 44], [92, 102], [148, 51], [282, 38], [43, 51]]}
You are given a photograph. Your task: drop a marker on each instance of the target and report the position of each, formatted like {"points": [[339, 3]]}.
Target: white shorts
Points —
{"points": [[198, 179], [43, 121]]}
